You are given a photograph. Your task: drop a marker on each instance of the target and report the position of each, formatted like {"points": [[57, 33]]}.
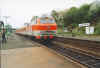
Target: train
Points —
{"points": [[41, 28]]}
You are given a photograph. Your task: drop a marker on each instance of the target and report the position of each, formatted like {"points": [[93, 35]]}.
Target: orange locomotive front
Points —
{"points": [[41, 28]]}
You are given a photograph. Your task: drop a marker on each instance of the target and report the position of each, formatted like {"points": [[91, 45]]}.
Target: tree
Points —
{"points": [[55, 14], [76, 16], [94, 12], [70, 16], [83, 13], [8, 29]]}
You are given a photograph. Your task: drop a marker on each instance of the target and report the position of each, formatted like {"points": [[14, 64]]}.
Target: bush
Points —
{"points": [[79, 31], [97, 29]]}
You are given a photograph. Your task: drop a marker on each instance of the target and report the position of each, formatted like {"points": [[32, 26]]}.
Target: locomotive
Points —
{"points": [[43, 28]]}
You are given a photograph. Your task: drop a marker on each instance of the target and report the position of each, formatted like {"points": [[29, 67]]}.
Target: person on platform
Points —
{"points": [[4, 36]]}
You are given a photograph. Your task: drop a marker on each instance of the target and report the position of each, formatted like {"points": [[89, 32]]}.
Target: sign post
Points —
{"points": [[88, 29], [84, 24]]}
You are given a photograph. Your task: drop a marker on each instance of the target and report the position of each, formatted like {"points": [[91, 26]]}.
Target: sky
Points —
{"points": [[21, 11]]}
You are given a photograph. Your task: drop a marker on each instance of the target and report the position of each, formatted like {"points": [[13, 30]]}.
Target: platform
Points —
{"points": [[20, 52], [88, 37]]}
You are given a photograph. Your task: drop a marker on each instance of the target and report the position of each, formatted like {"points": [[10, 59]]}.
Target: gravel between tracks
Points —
{"points": [[83, 45]]}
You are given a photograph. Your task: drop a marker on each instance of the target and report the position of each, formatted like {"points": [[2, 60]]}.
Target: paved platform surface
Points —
{"points": [[89, 37], [22, 53]]}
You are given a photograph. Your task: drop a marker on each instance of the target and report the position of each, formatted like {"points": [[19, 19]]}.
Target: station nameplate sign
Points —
{"points": [[84, 24]]}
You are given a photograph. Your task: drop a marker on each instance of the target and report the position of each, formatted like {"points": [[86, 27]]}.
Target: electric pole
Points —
{"points": [[6, 18]]}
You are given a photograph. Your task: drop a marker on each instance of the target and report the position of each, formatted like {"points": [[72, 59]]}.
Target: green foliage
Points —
{"points": [[74, 16], [94, 15], [77, 15], [55, 14], [79, 31], [97, 29], [59, 30], [69, 17], [8, 29]]}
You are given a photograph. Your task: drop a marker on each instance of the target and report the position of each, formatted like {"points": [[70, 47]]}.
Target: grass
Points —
{"points": [[76, 32]]}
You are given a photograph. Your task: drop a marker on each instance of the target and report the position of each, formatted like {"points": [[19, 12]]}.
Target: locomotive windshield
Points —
{"points": [[47, 20]]}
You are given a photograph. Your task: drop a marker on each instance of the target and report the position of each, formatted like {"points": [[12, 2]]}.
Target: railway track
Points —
{"points": [[67, 40], [89, 61], [73, 54], [90, 47]]}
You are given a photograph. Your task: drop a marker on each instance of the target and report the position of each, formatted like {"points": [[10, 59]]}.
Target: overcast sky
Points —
{"points": [[21, 11]]}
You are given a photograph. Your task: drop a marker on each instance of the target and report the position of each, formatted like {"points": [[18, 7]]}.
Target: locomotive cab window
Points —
{"points": [[51, 21], [47, 20], [43, 21]]}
